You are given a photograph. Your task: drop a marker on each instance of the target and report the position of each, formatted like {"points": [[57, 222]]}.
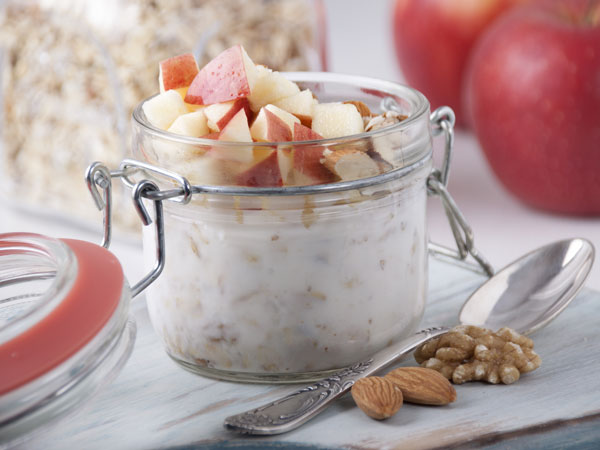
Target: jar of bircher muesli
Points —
{"points": [[290, 215], [286, 281]]}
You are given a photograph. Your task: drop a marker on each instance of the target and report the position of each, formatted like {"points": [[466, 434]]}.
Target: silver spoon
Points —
{"points": [[525, 296]]}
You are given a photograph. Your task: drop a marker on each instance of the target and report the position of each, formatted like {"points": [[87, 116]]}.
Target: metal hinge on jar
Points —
{"points": [[442, 122]]}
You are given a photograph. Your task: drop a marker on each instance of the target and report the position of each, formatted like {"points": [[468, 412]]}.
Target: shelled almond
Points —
{"points": [[381, 397]]}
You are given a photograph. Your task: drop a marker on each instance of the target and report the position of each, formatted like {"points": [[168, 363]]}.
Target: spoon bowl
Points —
{"points": [[530, 292]]}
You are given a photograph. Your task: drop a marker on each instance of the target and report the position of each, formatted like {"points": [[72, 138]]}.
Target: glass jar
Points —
{"points": [[289, 283]]}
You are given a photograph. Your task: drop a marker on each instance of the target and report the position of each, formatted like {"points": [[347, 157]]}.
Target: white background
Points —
{"points": [[360, 42]]}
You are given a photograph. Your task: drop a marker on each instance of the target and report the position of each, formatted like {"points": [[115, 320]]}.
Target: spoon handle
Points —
{"points": [[291, 411]]}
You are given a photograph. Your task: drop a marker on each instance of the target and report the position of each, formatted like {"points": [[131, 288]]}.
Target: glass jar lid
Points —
{"points": [[64, 329]]}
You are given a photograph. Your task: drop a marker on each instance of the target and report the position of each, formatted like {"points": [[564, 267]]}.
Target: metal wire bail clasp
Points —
{"points": [[442, 122], [99, 178]]}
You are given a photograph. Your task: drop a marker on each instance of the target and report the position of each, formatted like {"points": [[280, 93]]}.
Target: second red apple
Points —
{"points": [[433, 39]]}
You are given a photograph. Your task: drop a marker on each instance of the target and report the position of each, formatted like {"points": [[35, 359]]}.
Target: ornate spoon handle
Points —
{"points": [[293, 410]]}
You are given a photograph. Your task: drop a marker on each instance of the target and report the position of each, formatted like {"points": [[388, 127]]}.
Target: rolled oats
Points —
{"points": [[71, 77]]}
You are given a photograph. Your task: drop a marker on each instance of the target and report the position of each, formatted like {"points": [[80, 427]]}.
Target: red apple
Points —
{"points": [[433, 39], [307, 160], [264, 174], [534, 95], [219, 114], [304, 133], [229, 76], [237, 129], [177, 72], [214, 135], [273, 125]]}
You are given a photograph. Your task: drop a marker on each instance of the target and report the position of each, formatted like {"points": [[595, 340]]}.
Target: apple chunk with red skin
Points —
{"points": [[307, 160], [236, 130], [229, 76], [219, 114], [263, 174], [273, 125], [534, 96], [177, 72]]}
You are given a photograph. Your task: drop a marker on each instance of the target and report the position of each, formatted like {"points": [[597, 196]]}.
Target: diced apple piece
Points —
{"points": [[192, 161], [229, 76], [177, 72], [350, 164], [273, 125], [285, 156], [191, 124], [269, 87], [300, 105], [333, 120], [214, 135], [303, 133], [236, 130], [264, 174], [219, 114], [189, 106], [289, 119], [307, 161], [163, 109]]}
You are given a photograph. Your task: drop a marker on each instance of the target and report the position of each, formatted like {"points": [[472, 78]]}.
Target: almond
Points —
{"points": [[350, 164], [378, 397], [423, 386]]}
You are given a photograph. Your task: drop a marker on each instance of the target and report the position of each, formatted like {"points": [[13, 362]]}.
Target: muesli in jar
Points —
{"points": [[320, 259]]}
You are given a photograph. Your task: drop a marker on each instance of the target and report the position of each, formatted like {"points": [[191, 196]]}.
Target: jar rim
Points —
{"points": [[420, 101]]}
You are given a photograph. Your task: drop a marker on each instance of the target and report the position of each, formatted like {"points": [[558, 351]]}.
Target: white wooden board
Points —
{"points": [[155, 404]]}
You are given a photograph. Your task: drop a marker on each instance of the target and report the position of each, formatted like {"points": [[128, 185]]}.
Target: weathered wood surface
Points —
{"points": [[155, 404]]}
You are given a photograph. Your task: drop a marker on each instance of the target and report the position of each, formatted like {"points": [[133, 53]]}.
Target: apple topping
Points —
{"points": [[350, 164], [177, 72], [273, 125], [307, 161], [229, 76], [362, 109], [285, 156], [233, 101], [270, 86], [265, 173], [219, 114], [236, 130], [300, 105], [214, 135], [162, 110], [191, 124], [333, 120]]}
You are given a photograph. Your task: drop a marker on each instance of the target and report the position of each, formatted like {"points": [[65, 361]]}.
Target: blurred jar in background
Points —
{"points": [[71, 72]]}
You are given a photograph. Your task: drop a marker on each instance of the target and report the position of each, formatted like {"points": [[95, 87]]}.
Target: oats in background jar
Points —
{"points": [[72, 72]]}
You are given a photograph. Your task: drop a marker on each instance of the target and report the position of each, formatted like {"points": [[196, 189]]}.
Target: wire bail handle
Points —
{"points": [[99, 178], [442, 122]]}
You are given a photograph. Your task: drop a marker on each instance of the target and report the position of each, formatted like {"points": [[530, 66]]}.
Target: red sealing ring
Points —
{"points": [[81, 315]]}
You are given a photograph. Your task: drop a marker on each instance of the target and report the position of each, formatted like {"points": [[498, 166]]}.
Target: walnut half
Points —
{"points": [[470, 353]]}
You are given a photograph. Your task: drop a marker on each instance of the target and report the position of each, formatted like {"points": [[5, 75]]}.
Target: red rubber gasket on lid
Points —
{"points": [[84, 311]]}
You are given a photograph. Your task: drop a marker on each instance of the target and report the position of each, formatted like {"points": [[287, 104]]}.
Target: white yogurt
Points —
{"points": [[289, 285]]}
